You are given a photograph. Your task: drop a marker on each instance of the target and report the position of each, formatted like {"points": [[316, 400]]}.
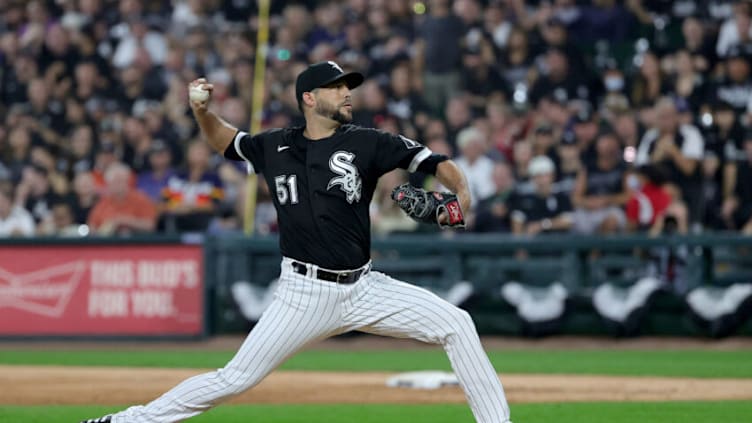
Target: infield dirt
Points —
{"points": [[45, 385], [37, 385]]}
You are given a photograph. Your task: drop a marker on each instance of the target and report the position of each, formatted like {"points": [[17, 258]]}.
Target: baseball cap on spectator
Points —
{"points": [[322, 74], [541, 165]]}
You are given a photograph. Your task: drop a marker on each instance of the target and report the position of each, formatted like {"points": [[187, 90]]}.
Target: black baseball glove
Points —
{"points": [[426, 206]]}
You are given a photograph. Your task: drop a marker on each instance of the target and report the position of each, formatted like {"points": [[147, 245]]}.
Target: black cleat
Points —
{"points": [[103, 419]]}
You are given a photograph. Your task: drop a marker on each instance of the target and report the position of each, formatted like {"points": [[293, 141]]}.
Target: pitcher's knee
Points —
{"points": [[234, 381], [459, 321]]}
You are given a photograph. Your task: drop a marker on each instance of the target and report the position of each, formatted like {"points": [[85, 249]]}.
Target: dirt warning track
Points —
{"points": [[37, 385]]}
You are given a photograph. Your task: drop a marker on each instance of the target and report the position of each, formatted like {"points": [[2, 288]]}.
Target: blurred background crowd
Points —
{"points": [[598, 116]]}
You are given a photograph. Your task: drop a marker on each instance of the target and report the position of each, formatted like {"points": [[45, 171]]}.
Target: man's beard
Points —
{"points": [[332, 112]]}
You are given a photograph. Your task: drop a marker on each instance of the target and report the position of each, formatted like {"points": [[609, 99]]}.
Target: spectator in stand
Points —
{"points": [[543, 141], [679, 148], [14, 220], [699, 46], [522, 155], [386, 216], [492, 213], [601, 191], [80, 157], [35, 194], [84, 196], [569, 162], [62, 222], [585, 127], [480, 80], [438, 54], [628, 130], [735, 87], [688, 83], [649, 84], [85, 84], [736, 30], [737, 206], [650, 206], [458, 116], [544, 210], [559, 77], [554, 33], [192, 196], [475, 165], [122, 210], [603, 20], [516, 60], [154, 181], [403, 102], [138, 36]]}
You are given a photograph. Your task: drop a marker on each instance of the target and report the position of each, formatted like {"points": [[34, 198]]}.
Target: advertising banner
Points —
{"points": [[101, 290]]}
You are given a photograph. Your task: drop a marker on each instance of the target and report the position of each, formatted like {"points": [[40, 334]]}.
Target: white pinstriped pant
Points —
{"points": [[307, 309]]}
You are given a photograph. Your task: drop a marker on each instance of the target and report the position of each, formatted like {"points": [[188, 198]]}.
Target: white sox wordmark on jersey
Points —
{"points": [[307, 309]]}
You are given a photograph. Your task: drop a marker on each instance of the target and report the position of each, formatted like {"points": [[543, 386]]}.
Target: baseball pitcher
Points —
{"points": [[324, 175]]}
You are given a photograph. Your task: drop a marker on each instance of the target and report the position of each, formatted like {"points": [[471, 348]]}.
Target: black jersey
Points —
{"points": [[322, 188]]}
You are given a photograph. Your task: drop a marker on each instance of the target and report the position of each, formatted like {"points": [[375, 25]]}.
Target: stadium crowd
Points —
{"points": [[594, 116]]}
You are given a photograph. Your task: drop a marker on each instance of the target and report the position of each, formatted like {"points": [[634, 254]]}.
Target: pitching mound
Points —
{"points": [[36, 385]]}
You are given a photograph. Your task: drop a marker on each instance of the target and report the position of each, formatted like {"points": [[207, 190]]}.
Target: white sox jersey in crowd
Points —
{"points": [[322, 193]]}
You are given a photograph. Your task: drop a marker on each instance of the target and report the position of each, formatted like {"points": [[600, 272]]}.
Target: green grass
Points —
{"points": [[659, 412], [689, 363]]}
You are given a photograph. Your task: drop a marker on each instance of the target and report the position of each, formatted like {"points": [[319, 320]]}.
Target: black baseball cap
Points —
{"points": [[322, 74]]}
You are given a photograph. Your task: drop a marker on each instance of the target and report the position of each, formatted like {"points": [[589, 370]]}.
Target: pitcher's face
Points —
{"points": [[334, 102]]}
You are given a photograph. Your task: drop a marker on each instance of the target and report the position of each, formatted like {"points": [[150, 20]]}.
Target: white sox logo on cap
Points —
{"points": [[336, 66]]}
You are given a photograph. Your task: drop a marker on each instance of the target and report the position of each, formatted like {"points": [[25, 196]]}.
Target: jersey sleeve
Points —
{"points": [[248, 148], [398, 151]]}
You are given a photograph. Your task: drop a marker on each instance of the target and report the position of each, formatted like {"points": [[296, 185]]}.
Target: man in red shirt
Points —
{"points": [[122, 210], [650, 206]]}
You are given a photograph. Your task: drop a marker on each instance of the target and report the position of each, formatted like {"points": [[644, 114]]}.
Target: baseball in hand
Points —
{"points": [[198, 93]]}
